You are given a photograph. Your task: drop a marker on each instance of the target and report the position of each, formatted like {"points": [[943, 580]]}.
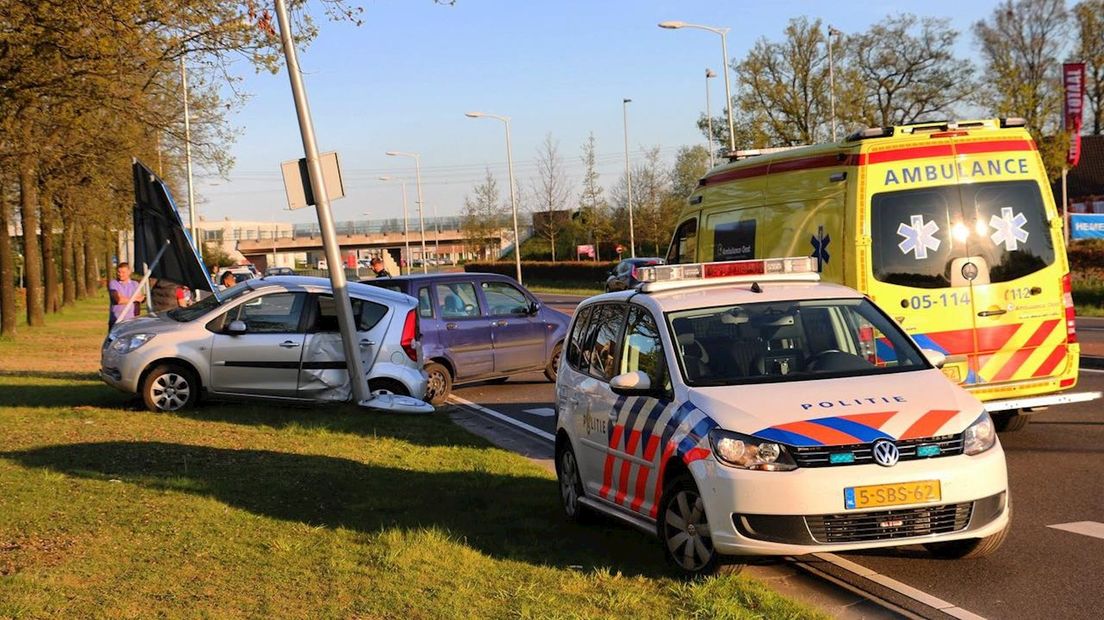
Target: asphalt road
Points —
{"points": [[1055, 466]]}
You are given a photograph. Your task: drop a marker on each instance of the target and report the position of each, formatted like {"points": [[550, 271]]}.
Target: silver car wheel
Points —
{"points": [[170, 391], [686, 531]]}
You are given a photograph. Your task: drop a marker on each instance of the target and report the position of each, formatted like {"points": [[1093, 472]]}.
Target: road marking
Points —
{"points": [[504, 418], [544, 412], [1086, 528], [1091, 370]]}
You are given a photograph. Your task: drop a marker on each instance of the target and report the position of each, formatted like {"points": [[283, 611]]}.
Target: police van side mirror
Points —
{"points": [[635, 383], [936, 358]]}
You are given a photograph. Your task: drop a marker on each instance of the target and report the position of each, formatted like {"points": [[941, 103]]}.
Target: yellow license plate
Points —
{"points": [[891, 494], [952, 373]]}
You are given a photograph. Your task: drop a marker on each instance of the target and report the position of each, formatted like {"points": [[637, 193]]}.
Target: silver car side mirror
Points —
{"points": [[237, 327]]}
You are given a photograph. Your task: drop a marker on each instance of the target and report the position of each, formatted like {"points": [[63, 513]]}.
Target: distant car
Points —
{"points": [[273, 338], [279, 271], [623, 275], [241, 274], [480, 326]]}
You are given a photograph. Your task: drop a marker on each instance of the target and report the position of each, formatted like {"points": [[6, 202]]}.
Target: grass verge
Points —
{"points": [[254, 510]]}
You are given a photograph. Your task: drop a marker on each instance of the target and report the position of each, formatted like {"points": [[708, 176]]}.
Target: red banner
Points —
{"points": [[1073, 78]]}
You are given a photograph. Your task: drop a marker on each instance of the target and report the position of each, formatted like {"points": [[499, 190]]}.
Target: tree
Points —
{"points": [[594, 211], [1089, 15], [1020, 44], [550, 191], [783, 87], [481, 218], [651, 188], [908, 71]]}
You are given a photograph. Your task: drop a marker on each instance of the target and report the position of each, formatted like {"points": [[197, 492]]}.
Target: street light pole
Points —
{"points": [[343, 306], [832, 33], [675, 25], [513, 195], [406, 224], [709, 116], [187, 160], [418, 180], [628, 177]]}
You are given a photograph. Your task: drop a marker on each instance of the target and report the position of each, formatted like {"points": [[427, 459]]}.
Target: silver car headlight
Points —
{"points": [[745, 452], [126, 344], [979, 436]]}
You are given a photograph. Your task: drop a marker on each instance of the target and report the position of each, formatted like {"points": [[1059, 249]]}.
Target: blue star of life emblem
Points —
{"points": [[820, 243], [1009, 229], [919, 237]]}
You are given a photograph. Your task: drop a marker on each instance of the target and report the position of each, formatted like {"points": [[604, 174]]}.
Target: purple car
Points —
{"points": [[479, 327]]}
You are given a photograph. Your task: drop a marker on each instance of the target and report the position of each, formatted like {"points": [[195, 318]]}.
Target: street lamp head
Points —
{"points": [[393, 153], [385, 178], [473, 114], [626, 101], [672, 25], [709, 73]]}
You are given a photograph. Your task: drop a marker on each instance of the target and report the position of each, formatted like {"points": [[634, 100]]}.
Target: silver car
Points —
{"points": [[271, 338]]}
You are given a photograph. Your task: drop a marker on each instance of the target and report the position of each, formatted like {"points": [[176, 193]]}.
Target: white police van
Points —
{"points": [[745, 408]]}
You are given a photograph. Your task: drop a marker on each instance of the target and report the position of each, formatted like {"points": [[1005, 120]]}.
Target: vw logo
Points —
{"points": [[885, 453]]}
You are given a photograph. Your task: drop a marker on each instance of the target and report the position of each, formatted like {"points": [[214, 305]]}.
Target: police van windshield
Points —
{"points": [[922, 237], [789, 341]]}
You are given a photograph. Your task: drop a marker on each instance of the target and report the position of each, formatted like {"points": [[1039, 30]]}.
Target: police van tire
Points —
{"points": [[1010, 421], [553, 367], [682, 522], [439, 384], [971, 548], [571, 485], [169, 388]]}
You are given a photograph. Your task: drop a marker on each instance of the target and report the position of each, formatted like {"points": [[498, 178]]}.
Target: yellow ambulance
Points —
{"points": [[950, 227]]}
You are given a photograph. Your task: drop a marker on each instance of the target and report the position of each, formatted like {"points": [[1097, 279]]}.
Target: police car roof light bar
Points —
{"points": [[664, 277]]}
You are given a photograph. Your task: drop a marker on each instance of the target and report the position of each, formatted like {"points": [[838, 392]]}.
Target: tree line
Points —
{"points": [[86, 87]]}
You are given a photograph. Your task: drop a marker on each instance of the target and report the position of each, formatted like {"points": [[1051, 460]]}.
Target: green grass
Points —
{"points": [[241, 510], [565, 289]]}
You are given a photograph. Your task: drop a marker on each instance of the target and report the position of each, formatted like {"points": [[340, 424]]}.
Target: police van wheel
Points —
{"points": [[170, 387], [571, 485], [685, 533], [1010, 421]]}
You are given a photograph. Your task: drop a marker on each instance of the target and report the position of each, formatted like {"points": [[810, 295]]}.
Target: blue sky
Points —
{"points": [[403, 80]]}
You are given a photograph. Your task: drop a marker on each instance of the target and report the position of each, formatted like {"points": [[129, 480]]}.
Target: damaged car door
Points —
{"points": [[323, 375]]}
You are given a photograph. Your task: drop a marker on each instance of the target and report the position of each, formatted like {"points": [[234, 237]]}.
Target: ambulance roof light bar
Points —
{"points": [[666, 277]]}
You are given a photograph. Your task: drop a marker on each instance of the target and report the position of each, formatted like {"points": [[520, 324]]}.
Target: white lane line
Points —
{"points": [[1083, 369], [504, 418], [1086, 528], [900, 588], [544, 412]]}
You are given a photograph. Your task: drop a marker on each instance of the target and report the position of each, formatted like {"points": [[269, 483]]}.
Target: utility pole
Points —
{"points": [[832, 34], [188, 161]]}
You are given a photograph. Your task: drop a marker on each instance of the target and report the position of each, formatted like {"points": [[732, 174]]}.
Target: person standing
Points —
{"points": [[377, 266], [120, 290]]}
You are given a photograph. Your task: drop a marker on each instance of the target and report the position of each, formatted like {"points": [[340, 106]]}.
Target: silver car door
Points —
{"points": [[264, 359]]}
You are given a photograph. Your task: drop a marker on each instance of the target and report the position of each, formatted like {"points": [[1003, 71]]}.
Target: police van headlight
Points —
{"points": [[746, 452], [979, 436], [126, 344]]}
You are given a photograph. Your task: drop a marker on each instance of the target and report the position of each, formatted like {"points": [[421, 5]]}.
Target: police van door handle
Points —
{"points": [[992, 312]]}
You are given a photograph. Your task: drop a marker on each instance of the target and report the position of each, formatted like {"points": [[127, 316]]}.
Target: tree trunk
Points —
{"points": [[68, 270], [32, 255], [91, 270], [49, 255], [7, 268], [78, 262]]}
